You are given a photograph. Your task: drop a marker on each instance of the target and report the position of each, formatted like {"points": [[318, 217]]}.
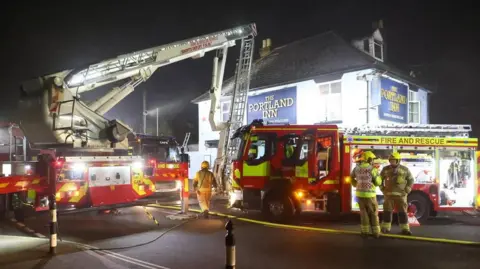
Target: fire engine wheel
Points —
{"points": [[278, 208], [419, 206]]}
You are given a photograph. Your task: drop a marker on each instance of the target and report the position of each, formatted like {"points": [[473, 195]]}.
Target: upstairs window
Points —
{"points": [[330, 104], [225, 111], [413, 107]]}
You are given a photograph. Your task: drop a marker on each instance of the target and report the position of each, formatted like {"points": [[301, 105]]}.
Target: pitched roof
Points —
{"points": [[321, 57]]}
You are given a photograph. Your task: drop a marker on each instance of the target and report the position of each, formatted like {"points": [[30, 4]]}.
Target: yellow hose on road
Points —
{"points": [[325, 230]]}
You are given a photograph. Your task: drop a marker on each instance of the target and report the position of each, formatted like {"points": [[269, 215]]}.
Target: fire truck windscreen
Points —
{"points": [[161, 149]]}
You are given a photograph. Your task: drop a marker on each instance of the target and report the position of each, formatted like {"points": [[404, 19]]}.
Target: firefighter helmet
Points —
{"points": [[395, 156], [205, 164], [367, 155]]}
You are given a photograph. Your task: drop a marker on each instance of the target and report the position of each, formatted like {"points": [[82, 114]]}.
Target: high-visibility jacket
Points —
{"points": [[289, 151], [365, 179], [204, 179], [396, 180]]}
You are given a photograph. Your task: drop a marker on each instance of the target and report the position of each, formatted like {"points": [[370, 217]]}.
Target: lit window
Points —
{"points": [[225, 111], [413, 107], [330, 104]]}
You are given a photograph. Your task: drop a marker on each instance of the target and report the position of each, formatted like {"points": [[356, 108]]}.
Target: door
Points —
{"points": [[256, 168], [305, 166]]}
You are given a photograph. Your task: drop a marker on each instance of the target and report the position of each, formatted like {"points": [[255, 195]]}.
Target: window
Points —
{"points": [[378, 49], [413, 107], [457, 178], [324, 154], [257, 149], [225, 111], [366, 45], [330, 102], [421, 163], [289, 146], [307, 146]]}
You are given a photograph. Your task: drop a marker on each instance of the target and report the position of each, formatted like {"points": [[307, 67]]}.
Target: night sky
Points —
{"points": [[438, 38]]}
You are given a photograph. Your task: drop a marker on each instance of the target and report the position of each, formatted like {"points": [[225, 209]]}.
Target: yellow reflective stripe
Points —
{"points": [[253, 138], [394, 193], [137, 179], [185, 184], [4, 185], [81, 193], [262, 169], [331, 181], [36, 181], [31, 194], [68, 187], [301, 171], [21, 184], [364, 194]]}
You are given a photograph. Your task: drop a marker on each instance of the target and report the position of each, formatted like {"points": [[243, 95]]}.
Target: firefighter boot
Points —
{"points": [[403, 220]]}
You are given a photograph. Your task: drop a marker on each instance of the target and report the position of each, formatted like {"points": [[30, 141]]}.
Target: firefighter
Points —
{"points": [[397, 181], [289, 148], [203, 183], [365, 179]]}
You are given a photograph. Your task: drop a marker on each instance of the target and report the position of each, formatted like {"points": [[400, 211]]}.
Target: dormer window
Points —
{"points": [[372, 45], [378, 49]]}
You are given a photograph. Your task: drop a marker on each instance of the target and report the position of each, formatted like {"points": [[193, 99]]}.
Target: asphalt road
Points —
{"points": [[200, 244]]}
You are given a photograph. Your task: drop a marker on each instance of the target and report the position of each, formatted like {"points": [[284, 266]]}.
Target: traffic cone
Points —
{"points": [[412, 220]]}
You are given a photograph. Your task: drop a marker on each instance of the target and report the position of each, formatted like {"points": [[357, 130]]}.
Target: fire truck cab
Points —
{"points": [[270, 176], [166, 163]]}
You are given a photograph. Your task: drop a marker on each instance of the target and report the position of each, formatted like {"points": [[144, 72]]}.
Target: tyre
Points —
{"points": [[278, 208], [420, 206]]}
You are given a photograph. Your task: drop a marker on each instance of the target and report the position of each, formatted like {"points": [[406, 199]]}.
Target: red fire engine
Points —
{"points": [[84, 157], [316, 176], [166, 163]]}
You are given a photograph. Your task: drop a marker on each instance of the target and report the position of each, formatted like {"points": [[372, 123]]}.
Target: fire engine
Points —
{"points": [[316, 177], [84, 160], [166, 163]]}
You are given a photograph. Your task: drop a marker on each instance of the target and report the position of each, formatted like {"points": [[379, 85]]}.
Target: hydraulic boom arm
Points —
{"points": [[51, 113]]}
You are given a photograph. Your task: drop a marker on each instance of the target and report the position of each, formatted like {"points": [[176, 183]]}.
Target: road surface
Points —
{"points": [[200, 244]]}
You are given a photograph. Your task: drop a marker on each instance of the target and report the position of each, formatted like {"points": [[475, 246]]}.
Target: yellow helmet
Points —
{"points": [[205, 164], [368, 155], [395, 156]]}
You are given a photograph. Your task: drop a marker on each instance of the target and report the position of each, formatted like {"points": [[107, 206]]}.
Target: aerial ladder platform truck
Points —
{"points": [[83, 159]]}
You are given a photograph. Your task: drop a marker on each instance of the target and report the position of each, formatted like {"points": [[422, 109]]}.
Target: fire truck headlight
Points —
{"points": [[78, 167], [348, 180], [299, 194], [137, 165], [178, 184]]}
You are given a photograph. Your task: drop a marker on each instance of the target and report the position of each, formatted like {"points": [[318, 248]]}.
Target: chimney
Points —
{"points": [[266, 47]]}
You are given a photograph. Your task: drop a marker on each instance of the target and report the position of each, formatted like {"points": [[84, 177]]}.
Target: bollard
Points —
{"points": [[229, 246], [185, 196], [53, 225]]}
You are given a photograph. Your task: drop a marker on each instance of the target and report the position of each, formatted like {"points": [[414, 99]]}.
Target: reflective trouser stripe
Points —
{"points": [[365, 228], [387, 225], [405, 227]]}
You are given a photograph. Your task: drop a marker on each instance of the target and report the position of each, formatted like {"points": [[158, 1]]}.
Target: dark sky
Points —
{"points": [[39, 39]]}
